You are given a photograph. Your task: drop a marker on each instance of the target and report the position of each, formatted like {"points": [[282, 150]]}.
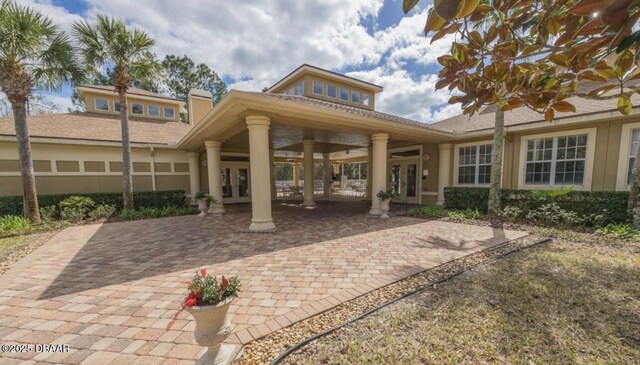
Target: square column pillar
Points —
{"points": [[444, 169], [326, 175], [308, 173], [214, 169], [260, 173], [194, 172], [379, 170]]}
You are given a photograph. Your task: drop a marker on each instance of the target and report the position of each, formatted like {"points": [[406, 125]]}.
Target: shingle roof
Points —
{"points": [[98, 127], [131, 91], [347, 109]]}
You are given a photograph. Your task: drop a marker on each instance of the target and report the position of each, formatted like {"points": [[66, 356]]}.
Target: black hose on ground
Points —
{"points": [[307, 340]]}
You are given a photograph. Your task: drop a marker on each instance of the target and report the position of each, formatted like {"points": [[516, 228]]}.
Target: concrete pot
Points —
{"points": [[384, 206], [212, 328], [202, 206]]}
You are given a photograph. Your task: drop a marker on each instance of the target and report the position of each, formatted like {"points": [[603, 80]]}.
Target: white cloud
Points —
{"points": [[260, 41]]}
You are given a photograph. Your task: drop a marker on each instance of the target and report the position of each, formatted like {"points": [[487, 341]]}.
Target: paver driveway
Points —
{"points": [[108, 291]]}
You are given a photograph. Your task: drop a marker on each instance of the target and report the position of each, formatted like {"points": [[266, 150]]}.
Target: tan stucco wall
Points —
{"points": [[89, 100], [99, 168], [308, 90]]}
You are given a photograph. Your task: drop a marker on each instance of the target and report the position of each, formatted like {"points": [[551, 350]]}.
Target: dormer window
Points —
{"points": [[355, 97], [291, 91], [137, 108], [344, 94], [332, 91], [153, 111], [102, 104], [169, 113], [366, 100], [116, 105], [318, 88], [300, 88]]}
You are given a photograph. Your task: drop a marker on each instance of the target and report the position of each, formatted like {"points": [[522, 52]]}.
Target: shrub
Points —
{"points": [[75, 208], [102, 211], [429, 211], [50, 213], [624, 231], [12, 205], [511, 213], [462, 215], [12, 224], [129, 214], [611, 205]]}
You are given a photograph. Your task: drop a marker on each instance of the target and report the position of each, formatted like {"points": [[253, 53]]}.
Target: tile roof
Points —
{"points": [[348, 109], [98, 127]]}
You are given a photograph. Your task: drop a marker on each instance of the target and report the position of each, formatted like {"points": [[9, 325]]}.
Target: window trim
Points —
{"points": [[348, 99], [368, 97], [313, 87], [132, 113], [114, 106], [588, 161], [95, 105], [299, 88], [149, 112], [164, 115], [336, 89], [456, 160], [623, 156], [359, 97]]}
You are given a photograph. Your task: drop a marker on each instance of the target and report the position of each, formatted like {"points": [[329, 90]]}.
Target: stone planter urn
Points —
{"points": [[384, 206], [212, 328], [202, 207]]}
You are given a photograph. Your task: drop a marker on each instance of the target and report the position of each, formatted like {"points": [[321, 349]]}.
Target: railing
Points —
{"points": [[346, 189]]}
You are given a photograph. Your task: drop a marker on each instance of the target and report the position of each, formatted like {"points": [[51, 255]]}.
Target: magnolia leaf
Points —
{"points": [[447, 9], [624, 105], [589, 75], [559, 59], [476, 37], [553, 26], [467, 7], [563, 106], [625, 61], [548, 115], [587, 7], [407, 5], [434, 22], [602, 90]]}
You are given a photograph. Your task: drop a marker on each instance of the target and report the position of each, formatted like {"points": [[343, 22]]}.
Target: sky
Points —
{"points": [[253, 43]]}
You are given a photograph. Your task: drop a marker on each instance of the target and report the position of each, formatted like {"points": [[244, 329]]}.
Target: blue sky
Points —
{"points": [[252, 43]]}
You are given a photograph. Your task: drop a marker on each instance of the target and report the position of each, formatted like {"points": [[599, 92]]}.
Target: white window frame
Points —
{"points": [[623, 157], [132, 113], [95, 105], [456, 160], [340, 94], [368, 98], [114, 106], [164, 112], [149, 110], [313, 87], [588, 162], [336, 90], [300, 88], [359, 97]]}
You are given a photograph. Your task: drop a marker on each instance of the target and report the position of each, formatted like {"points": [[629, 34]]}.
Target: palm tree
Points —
{"points": [[34, 53], [110, 43]]}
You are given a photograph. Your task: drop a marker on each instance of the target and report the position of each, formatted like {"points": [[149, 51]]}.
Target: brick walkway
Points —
{"points": [[108, 291]]}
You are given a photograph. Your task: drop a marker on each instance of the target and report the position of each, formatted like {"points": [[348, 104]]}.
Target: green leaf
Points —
{"points": [[407, 5], [624, 105]]}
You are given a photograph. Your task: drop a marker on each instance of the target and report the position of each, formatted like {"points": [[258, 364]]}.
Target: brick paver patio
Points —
{"points": [[108, 291]]}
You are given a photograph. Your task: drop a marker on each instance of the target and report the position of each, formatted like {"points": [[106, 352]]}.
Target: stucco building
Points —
{"points": [[310, 118]]}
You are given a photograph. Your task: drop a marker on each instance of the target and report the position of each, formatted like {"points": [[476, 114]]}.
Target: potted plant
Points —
{"points": [[385, 199], [203, 201], [208, 302]]}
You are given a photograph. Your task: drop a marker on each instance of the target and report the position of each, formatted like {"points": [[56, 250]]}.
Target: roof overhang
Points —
{"points": [[312, 70], [227, 119]]}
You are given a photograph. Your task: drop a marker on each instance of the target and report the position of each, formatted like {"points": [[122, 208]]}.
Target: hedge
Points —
{"points": [[12, 205], [612, 204]]}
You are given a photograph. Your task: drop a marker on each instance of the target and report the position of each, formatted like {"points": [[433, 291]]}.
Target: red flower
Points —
{"points": [[191, 302], [224, 282], [203, 272]]}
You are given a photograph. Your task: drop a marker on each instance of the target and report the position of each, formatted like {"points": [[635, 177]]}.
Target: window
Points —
{"points": [[137, 108], [102, 104], [332, 91], [116, 106], [366, 100], [556, 160], [300, 88], [633, 150], [169, 113], [474, 164], [291, 91], [153, 110], [344, 94], [318, 88], [355, 97]]}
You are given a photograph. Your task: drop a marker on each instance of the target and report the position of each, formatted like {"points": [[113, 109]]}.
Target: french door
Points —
{"points": [[404, 180], [235, 183]]}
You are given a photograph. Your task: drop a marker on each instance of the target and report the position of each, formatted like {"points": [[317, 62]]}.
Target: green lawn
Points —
{"points": [[558, 303]]}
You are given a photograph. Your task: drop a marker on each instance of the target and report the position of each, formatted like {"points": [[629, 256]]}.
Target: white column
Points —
{"points": [[326, 175], [214, 169], [260, 173], [296, 174], [379, 170], [194, 172], [308, 173], [444, 169]]}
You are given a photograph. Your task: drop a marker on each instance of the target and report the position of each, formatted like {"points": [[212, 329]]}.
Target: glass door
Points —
{"points": [[235, 183], [411, 189], [243, 184], [404, 181]]}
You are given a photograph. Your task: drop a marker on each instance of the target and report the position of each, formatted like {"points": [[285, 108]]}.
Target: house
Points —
{"points": [[314, 117]]}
